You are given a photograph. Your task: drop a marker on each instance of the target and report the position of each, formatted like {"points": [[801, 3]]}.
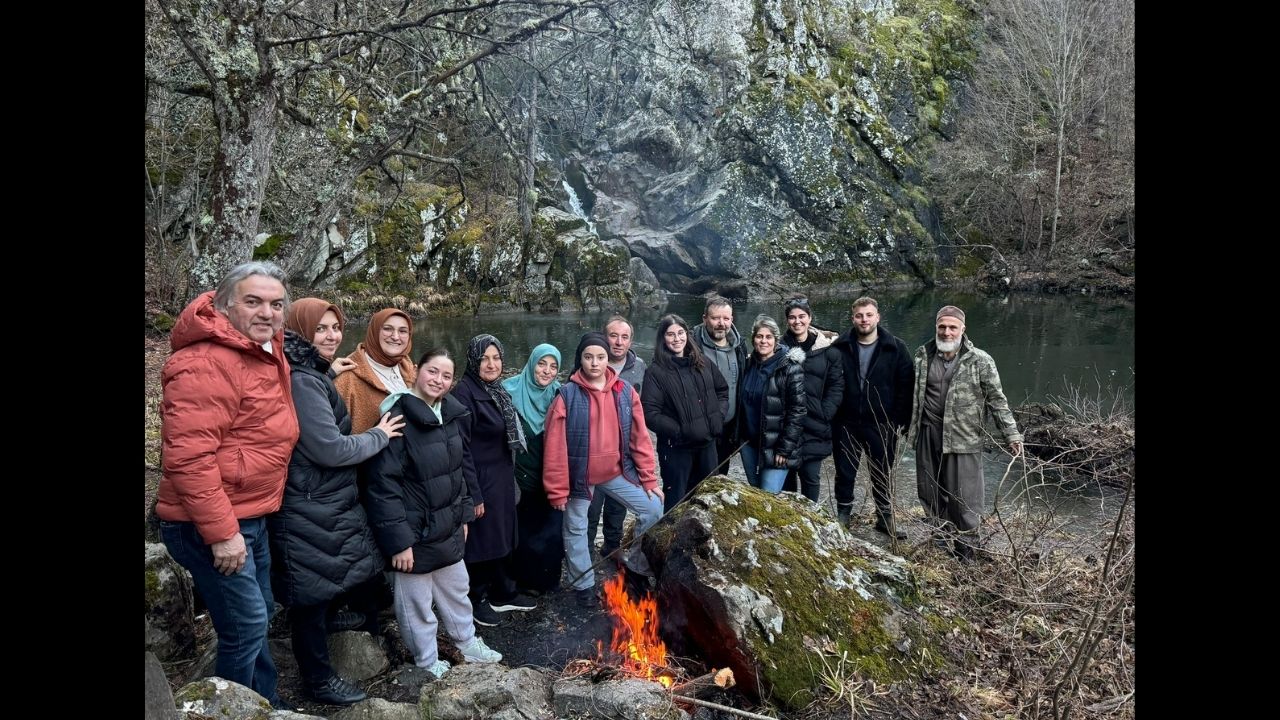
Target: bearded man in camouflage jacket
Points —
{"points": [[956, 387]]}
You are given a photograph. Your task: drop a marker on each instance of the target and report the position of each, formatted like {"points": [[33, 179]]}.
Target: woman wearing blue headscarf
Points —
{"points": [[539, 552]]}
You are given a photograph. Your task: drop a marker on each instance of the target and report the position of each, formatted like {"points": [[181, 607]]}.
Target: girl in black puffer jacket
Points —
{"points": [[772, 408], [419, 503], [685, 400]]}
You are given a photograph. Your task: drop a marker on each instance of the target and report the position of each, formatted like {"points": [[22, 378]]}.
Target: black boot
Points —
{"points": [[884, 521], [336, 691], [844, 514], [345, 620]]}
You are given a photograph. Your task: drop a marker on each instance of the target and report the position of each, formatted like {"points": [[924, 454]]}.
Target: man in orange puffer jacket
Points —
{"points": [[228, 430]]}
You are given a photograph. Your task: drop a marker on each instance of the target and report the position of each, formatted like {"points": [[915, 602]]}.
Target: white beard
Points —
{"points": [[947, 347]]}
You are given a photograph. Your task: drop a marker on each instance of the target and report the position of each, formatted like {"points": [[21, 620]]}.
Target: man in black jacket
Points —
{"points": [[875, 409]]}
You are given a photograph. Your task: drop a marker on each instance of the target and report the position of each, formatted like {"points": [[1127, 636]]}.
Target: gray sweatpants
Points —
{"points": [[448, 586]]}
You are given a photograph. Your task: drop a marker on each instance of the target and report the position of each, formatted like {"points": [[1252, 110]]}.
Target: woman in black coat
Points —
{"points": [[685, 400], [823, 388], [321, 545], [494, 433], [772, 408], [419, 506]]}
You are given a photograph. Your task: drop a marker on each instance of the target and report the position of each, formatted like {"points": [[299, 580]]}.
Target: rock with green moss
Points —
{"points": [[170, 628], [768, 586], [214, 697]]}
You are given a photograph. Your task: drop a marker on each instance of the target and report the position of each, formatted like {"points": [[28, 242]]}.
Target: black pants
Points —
{"points": [[810, 476], [539, 555], [491, 581], [682, 470], [726, 445], [311, 642], [308, 626], [879, 444]]}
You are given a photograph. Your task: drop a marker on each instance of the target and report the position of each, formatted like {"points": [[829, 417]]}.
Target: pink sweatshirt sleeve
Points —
{"points": [[641, 445], [555, 455]]}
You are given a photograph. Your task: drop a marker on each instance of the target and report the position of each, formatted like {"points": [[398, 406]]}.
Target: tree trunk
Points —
{"points": [[528, 166], [1057, 181], [241, 170]]}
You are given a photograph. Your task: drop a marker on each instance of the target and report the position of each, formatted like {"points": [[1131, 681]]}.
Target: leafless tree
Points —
{"points": [[362, 85]]}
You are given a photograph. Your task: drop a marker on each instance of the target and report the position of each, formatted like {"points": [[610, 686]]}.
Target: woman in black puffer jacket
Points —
{"points": [[321, 545], [823, 387], [419, 503], [685, 400], [771, 403]]}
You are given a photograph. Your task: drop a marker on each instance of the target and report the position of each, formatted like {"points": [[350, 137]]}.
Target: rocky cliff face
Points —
{"points": [[779, 141], [766, 144]]}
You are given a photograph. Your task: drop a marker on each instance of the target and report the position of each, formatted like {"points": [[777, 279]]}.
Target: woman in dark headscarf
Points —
{"points": [[494, 433], [539, 552]]}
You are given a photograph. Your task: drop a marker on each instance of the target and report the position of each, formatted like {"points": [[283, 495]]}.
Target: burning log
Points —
{"points": [[706, 685]]}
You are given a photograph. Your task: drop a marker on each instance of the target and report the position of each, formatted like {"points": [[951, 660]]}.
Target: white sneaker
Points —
{"points": [[439, 668], [477, 651]]}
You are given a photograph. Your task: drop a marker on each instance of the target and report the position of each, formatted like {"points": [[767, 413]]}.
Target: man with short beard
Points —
{"points": [[721, 343], [956, 385], [875, 409]]}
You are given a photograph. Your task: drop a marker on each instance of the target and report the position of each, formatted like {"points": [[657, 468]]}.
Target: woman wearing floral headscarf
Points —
{"points": [[494, 433], [382, 366], [539, 553]]}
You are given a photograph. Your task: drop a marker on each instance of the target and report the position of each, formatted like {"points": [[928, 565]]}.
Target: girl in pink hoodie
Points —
{"points": [[597, 441]]}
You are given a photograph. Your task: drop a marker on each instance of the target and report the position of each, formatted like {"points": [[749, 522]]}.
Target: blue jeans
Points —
{"points": [[577, 551], [239, 604], [767, 479]]}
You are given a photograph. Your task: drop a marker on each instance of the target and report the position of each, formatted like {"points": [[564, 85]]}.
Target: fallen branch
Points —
{"points": [[722, 708]]}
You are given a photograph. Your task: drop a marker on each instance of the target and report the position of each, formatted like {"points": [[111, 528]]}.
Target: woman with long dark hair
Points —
{"points": [[685, 399]]}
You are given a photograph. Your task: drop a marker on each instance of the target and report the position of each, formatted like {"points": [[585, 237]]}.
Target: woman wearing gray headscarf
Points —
{"points": [[494, 433]]}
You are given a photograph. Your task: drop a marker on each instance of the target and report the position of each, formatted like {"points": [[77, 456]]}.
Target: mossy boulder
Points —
{"points": [[170, 627], [768, 586], [214, 697]]}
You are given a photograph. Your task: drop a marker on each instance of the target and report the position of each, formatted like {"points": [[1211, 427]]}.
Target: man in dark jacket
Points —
{"points": [[876, 408], [721, 343]]}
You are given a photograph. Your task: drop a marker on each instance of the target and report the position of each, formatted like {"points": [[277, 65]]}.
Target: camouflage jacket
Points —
{"points": [[974, 392]]}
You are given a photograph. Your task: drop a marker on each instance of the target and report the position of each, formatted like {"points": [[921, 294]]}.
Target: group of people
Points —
{"points": [[292, 474]]}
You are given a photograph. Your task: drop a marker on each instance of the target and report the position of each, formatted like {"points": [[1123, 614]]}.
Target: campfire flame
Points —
{"points": [[635, 634]]}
